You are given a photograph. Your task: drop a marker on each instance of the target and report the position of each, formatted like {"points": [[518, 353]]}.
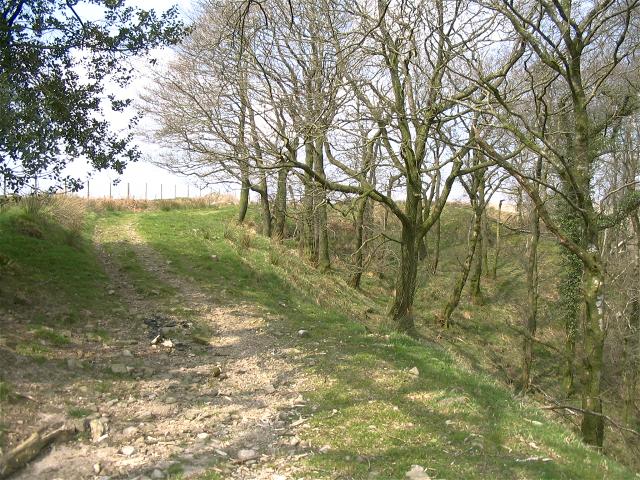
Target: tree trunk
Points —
{"points": [[280, 210], [307, 235], [531, 320], [244, 199], [422, 242], [569, 291], [592, 426], [476, 276], [354, 280], [632, 335], [324, 261], [266, 209], [453, 302], [436, 247], [494, 272], [402, 308]]}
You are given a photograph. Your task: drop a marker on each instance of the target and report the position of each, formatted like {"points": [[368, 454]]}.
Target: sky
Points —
{"points": [[141, 177]]}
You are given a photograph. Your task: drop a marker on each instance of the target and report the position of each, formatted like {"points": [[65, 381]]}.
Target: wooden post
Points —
{"points": [[88, 187], [128, 190], [188, 191], [175, 191], [160, 191], [109, 189], [145, 191]]}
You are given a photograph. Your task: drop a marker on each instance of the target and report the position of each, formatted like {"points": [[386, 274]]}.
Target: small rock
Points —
{"points": [[111, 292], [157, 473], [149, 440], [128, 450], [167, 343], [415, 372], [214, 258], [417, 473], [130, 431], [97, 429], [203, 436], [324, 448], [119, 368], [170, 400], [270, 388], [127, 353], [216, 371], [246, 455], [96, 468], [294, 442], [303, 333]]}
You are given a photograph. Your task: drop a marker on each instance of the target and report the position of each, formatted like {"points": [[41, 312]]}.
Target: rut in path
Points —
{"points": [[179, 410]]}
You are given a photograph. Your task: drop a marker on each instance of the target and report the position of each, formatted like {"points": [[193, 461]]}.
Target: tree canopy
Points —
{"points": [[56, 58]]}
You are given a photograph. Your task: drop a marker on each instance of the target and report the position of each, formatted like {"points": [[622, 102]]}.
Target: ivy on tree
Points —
{"points": [[54, 65]]}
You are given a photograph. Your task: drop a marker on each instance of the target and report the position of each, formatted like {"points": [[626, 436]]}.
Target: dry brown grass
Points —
{"points": [[136, 205]]}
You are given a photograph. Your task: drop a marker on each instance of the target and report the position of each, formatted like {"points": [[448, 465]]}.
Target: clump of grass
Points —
{"points": [[175, 470], [37, 352], [99, 334], [240, 236], [5, 391], [275, 256], [103, 386], [78, 412], [51, 336]]}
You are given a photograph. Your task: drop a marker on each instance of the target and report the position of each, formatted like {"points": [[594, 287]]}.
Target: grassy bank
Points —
{"points": [[370, 411]]}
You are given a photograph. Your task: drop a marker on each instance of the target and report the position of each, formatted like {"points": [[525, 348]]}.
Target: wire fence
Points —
{"points": [[146, 191]]}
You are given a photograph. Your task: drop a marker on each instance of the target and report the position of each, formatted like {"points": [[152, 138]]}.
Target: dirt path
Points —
{"points": [[230, 407]]}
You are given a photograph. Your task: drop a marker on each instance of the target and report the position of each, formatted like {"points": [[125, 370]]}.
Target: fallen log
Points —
{"points": [[17, 458]]}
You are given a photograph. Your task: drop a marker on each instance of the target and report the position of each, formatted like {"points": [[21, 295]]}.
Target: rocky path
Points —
{"points": [[181, 402]]}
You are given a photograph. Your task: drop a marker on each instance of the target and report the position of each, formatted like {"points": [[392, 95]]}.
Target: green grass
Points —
{"points": [[116, 244], [57, 273], [454, 421], [5, 391], [78, 412], [51, 336]]}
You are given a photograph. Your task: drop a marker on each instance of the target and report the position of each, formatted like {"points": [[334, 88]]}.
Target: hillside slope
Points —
{"points": [[343, 401]]}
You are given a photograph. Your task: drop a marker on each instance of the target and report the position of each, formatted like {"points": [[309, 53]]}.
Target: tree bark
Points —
{"points": [[266, 209], [402, 308], [592, 426], [324, 260], [307, 235], [280, 207], [356, 277], [494, 272], [244, 199], [454, 300], [531, 320]]}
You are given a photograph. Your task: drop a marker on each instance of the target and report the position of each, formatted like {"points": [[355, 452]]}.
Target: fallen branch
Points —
{"points": [[29, 449], [557, 406], [591, 412]]}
